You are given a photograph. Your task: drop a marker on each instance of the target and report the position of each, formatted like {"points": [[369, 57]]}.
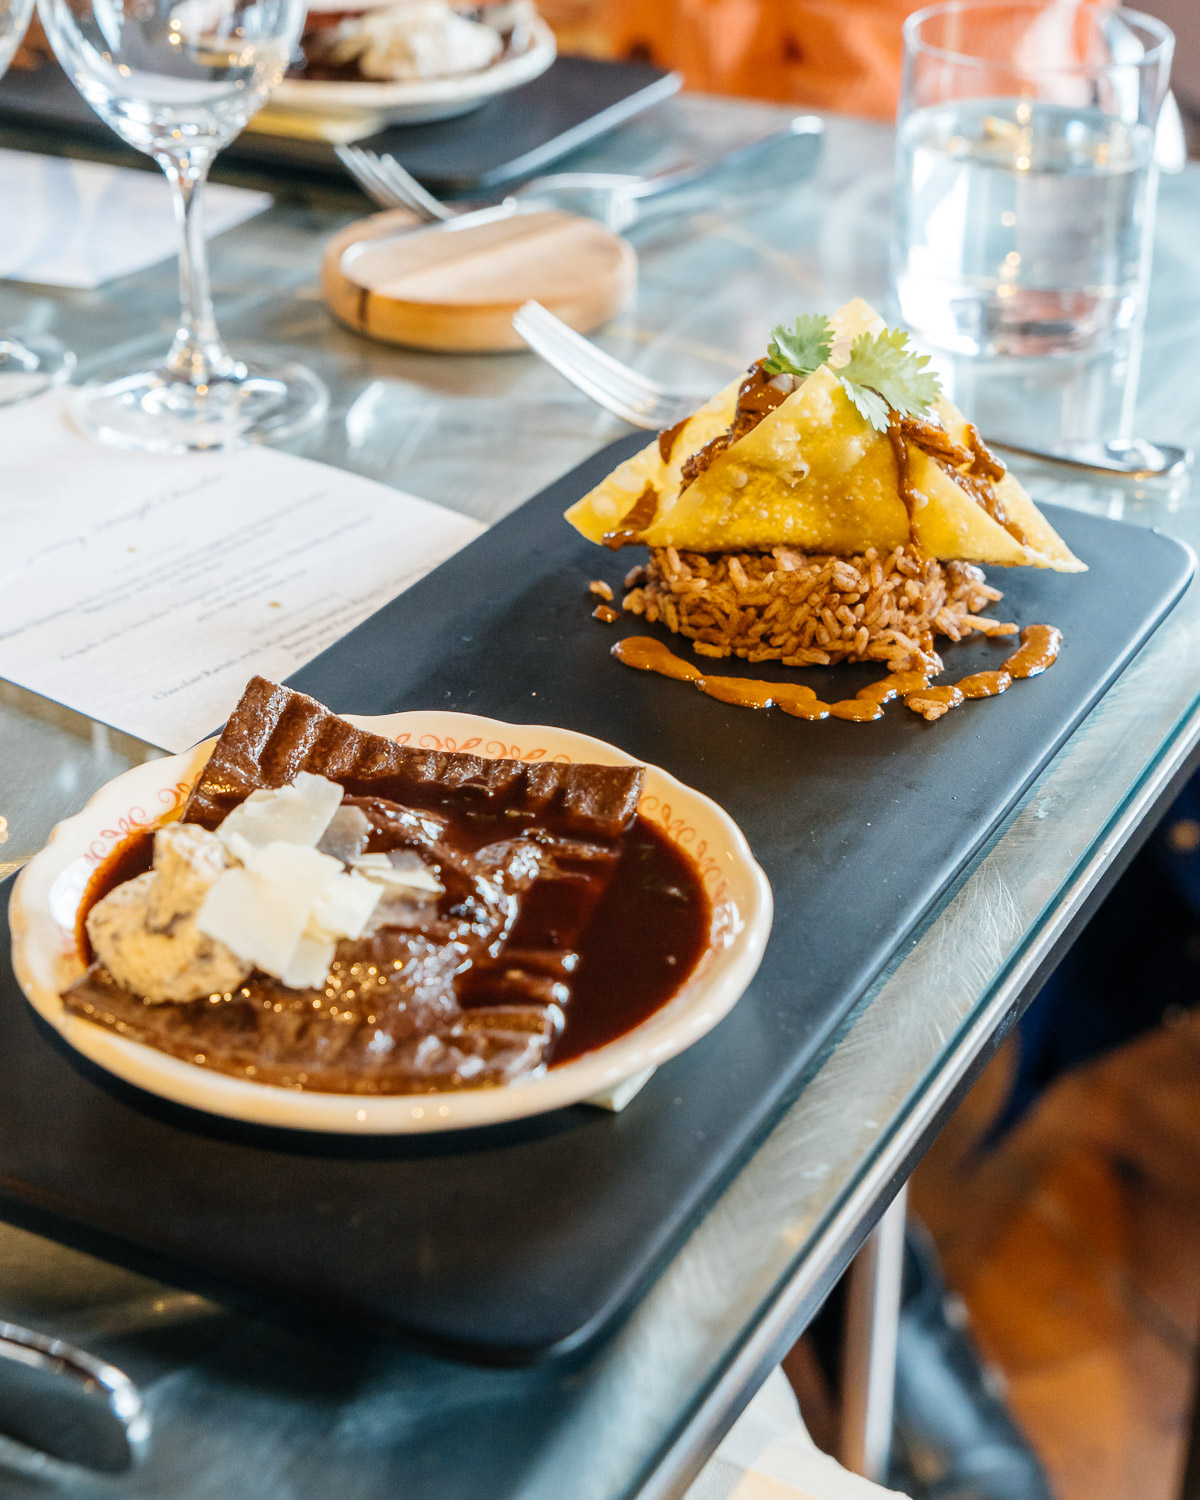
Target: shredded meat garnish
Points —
{"points": [[974, 469], [986, 462], [760, 394], [932, 438], [980, 490], [701, 462]]}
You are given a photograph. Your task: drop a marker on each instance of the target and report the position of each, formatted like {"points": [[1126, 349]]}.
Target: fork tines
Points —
{"points": [[610, 384]]}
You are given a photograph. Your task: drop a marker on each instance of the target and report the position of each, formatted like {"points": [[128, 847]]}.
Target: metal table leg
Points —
{"points": [[1190, 1486], [869, 1349]]}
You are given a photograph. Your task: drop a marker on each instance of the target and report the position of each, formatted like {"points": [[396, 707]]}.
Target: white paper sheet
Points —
{"points": [[145, 591], [82, 223]]}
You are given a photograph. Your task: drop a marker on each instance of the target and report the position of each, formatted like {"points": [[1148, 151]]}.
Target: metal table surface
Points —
{"points": [[248, 1404]]}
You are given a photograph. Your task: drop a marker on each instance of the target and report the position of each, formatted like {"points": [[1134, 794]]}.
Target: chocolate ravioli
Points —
{"points": [[565, 918]]}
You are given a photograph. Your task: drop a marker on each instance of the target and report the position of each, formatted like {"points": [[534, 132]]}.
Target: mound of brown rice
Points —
{"points": [[786, 606]]}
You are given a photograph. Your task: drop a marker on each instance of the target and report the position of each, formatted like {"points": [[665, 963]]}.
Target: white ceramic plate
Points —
{"points": [[47, 894], [420, 100]]}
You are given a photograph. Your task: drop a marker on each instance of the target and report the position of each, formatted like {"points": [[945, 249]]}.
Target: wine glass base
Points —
{"points": [[263, 400], [31, 365]]}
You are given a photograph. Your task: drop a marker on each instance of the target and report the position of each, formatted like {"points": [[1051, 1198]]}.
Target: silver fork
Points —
{"points": [[616, 199], [385, 181], [644, 403], [634, 398]]}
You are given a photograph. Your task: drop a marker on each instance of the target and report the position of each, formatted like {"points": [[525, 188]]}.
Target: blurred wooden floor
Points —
{"points": [[1076, 1245]]}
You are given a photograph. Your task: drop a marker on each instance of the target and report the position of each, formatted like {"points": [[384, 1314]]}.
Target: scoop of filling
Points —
{"points": [[413, 39], [146, 931]]}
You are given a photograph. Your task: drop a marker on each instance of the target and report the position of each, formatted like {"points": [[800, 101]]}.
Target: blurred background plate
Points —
{"points": [[420, 101]]}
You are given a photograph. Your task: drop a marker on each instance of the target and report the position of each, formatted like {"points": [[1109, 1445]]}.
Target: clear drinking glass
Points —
{"points": [[178, 79], [28, 366], [1025, 174]]}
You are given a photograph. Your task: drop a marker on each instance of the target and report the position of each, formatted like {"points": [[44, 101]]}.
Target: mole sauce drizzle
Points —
{"points": [[610, 944], [640, 514], [1039, 648], [757, 398], [668, 437]]}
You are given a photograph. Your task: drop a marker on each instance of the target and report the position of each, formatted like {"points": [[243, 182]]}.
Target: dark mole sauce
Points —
{"points": [[757, 398], [131, 857], [668, 437], [644, 932]]}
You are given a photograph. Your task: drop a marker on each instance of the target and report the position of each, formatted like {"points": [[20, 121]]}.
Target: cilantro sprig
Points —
{"points": [[882, 375], [802, 349], [883, 372]]}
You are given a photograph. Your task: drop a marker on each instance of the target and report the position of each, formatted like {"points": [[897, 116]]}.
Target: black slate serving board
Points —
{"points": [[513, 136], [519, 1241]]}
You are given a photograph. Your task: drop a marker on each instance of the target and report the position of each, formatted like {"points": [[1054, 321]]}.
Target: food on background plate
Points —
{"points": [[398, 41], [337, 913], [832, 505]]}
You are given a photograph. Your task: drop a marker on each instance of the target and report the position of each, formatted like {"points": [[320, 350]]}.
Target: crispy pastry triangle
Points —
{"points": [[814, 474], [601, 513]]}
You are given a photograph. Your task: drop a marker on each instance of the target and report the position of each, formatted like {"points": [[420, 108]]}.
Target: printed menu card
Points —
{"points": [[83, 223], [144, 591]]}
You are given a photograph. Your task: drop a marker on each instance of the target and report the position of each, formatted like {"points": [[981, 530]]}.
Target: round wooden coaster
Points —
{"points": [[456, 289]]}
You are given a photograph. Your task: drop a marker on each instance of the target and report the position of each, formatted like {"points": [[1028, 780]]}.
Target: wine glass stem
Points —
{"points": [[197, 355]]}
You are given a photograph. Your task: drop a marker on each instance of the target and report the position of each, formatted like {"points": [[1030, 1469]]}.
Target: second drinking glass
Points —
{"points": [[178, 79], [1025, 190]]}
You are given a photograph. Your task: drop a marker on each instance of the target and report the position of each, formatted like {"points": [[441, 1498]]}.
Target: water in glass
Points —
{"points": [[1022, 225]]}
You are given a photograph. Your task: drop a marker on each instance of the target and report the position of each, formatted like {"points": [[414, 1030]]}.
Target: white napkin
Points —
{"points": [[82, 223], [769, 1455]]}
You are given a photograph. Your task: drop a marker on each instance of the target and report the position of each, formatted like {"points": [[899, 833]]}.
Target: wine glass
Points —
{"points": [[28, 366], [178, 79]]}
